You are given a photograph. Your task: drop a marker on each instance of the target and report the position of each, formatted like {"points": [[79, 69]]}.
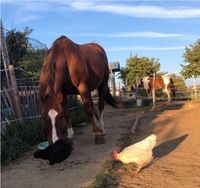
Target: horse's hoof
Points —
{"points": [[99, 139]]}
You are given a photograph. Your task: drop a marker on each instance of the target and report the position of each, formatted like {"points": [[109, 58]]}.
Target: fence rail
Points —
{"points": [[29, 103], [181, 94]]}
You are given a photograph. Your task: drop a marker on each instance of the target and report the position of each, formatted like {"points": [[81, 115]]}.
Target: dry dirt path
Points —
{"points": [[177, 153], [81, 167]]}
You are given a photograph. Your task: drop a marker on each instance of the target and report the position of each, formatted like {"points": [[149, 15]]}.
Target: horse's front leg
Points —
{"points": [[167, 91], [70, 131]]}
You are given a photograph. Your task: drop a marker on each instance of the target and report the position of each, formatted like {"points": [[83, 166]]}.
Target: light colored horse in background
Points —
{"points": [[165, 83]]}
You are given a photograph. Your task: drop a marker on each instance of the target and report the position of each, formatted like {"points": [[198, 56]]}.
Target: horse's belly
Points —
{"points": [[68, 89]]}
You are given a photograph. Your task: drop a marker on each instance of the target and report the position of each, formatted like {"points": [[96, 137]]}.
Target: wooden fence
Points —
{"points": [[28, 100]]}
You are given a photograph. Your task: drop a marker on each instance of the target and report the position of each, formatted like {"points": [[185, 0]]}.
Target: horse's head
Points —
{"points": [[139, 83], [53, 116], [144, 84]]}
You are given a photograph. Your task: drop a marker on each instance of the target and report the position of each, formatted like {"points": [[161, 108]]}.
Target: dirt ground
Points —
{"points": [[177, 154]]}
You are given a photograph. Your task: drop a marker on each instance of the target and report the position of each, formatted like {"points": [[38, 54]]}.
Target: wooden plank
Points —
{"points": [[23, 102], [8, 93], [154, 92], [5, 56], [4, 100], [35, 99], [32, 100], [15, 92]]}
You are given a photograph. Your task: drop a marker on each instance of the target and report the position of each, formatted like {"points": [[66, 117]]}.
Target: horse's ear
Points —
{"points": [[59, 97]]}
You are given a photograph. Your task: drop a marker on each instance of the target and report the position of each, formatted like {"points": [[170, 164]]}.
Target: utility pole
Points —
{"points": [[5, 56], [195, 88], [154, 92]]}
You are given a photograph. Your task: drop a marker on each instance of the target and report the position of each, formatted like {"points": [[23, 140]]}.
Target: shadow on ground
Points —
{"points": [[167, 147]]}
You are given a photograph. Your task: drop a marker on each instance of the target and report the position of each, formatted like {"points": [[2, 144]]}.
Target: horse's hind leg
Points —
{"points": [[102, 93], [167, 91], [89, 109]]}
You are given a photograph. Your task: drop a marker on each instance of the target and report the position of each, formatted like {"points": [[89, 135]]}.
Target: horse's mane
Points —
{"points": [[47, 75]]}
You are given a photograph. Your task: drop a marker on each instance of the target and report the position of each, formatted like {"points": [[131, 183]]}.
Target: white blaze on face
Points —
{"points": [[146, 82], [70, 132], [138, 82], [52, 114]]}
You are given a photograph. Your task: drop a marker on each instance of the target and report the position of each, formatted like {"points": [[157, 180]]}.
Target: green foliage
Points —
{"points": [[123, 75], [22, 54], [32, 133], [32, 62], [138, 67], [179, 83], [192, 61], [12, 148], [109, 177], [19, 139], [78, 115], [17, 44]]}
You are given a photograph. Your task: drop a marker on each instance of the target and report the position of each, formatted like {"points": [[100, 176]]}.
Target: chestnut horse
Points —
{"points": [[70, 68], [165, 83]]}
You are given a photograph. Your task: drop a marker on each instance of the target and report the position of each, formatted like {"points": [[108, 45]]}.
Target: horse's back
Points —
{"points": [[94, 52], [84, 64], [96, 59]]}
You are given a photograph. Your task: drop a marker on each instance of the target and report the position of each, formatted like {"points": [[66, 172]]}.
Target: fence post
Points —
{"points": [[4, 53], [154, 92], [195, 88], [113, 83], [137, 90], [15, 93]]}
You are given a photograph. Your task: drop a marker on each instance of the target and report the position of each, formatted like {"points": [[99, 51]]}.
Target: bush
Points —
{"points": [[32, 133], [12, 148], [19, 139], [78, 115]]}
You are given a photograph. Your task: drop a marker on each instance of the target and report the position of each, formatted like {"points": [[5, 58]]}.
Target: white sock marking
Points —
{"points": [[166, 81], [102, 122], [70, 132], [52, 114]]}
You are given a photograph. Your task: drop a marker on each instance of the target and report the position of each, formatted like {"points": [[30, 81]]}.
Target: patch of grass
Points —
{"points": [[18, 139], [109, 177]]}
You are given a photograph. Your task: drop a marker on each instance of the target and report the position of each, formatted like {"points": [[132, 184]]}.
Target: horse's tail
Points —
{"points": [[172, 88], [110, 99]]}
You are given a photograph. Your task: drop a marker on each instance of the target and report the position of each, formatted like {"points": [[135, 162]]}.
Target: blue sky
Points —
{"points": [[153, 28]]}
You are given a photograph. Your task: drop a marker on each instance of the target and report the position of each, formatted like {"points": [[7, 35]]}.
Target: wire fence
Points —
{"points": [[182, 91], [29, 103]]}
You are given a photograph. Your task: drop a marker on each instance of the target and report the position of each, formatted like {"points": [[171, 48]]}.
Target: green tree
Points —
{"points": [[138, 67], [179, 83], [32, 62], [192, 61], [17, 44], [122, 75], [23, 55]]}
